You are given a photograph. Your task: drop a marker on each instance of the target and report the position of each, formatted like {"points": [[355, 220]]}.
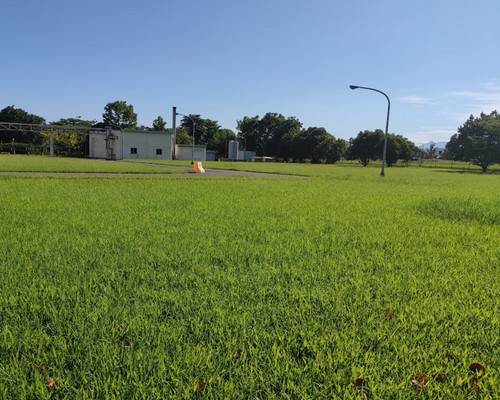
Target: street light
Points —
{"points": [[194, 124], [382, 173]]}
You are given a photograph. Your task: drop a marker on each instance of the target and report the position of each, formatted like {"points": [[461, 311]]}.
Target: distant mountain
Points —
{"points": [[425, 146]]}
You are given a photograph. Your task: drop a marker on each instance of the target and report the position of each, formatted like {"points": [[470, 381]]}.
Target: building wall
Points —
{"points": [[133, 144], [185, 151], [246, 155], [147, 145], [97, 146], [211, 155]]}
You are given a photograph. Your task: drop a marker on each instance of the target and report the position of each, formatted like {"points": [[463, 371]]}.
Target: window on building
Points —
{"points": [[133, 150], [159, 152]]}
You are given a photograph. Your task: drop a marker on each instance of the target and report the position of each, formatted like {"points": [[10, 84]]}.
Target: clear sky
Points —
{"points": [[437, 60]]}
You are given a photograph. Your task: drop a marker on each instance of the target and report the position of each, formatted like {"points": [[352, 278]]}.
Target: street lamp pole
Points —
{"points": [[384, 155], [174, 132], [193, 124]]}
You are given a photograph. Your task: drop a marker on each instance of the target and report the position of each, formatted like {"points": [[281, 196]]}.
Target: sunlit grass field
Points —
{"points": [[336, 285], [34, 163], [321, 169]]}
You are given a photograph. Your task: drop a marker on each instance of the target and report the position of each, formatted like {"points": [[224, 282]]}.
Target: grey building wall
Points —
{"points": [[97, 146], [147, 145], [133, 144], [185, 151]]}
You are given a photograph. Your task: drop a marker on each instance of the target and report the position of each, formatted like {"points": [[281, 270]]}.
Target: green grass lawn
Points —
{"points": [[34, 163], [339, 285], [322, 169]]}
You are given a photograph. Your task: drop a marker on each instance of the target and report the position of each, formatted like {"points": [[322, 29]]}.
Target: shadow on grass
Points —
{"points": [[462, 209], [467, 171]]}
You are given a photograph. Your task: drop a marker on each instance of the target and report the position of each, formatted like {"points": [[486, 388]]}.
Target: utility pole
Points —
{"points": [[174, 138]]}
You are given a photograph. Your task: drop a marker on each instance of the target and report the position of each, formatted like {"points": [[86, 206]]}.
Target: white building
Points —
{"points": [[235, 154], [146, 145], [131, 144], [185, 152]]}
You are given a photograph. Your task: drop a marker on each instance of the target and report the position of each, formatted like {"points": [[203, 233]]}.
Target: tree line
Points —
{"points": [[477, 141], [284, 138], [116, 114]]}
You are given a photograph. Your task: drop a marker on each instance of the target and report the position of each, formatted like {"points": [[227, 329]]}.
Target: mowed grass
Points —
{"points": [[322, 169], [337, 285], [34, 163]]}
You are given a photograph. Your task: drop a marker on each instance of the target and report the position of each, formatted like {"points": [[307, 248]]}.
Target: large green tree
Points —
{"points": [[316, 145], [207, 132], [205, 129], [399, 148], [74, 122], [69, 144], [220, 141], [366, 146], [159, 124], [119, 114], [477, 141], [249, 130], [183, 136], [13, 114], [342, 147], [270, 135], [280, 132]]}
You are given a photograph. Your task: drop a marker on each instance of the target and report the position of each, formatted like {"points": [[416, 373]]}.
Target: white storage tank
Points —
{"points": [[233, 150]]}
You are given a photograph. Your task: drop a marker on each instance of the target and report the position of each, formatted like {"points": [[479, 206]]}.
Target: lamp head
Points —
{"points": [[353, 87]]}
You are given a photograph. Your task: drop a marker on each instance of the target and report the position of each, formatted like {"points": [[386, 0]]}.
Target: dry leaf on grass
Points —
{"points": [[360, 382], [39, 368], [477, 368], [474, 384], [440, 377], [52, 385], [201, 386], [419, 382], [389, 315]]}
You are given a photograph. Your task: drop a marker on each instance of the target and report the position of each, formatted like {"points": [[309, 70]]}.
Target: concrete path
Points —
{"points": [[215, 172], [184, 169]]}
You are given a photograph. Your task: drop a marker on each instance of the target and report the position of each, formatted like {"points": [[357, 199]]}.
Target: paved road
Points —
{"points": [[184, 169], [221, 172]]}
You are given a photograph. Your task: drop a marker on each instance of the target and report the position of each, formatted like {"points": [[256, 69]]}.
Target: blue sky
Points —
{"points": [[438, 60]]}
